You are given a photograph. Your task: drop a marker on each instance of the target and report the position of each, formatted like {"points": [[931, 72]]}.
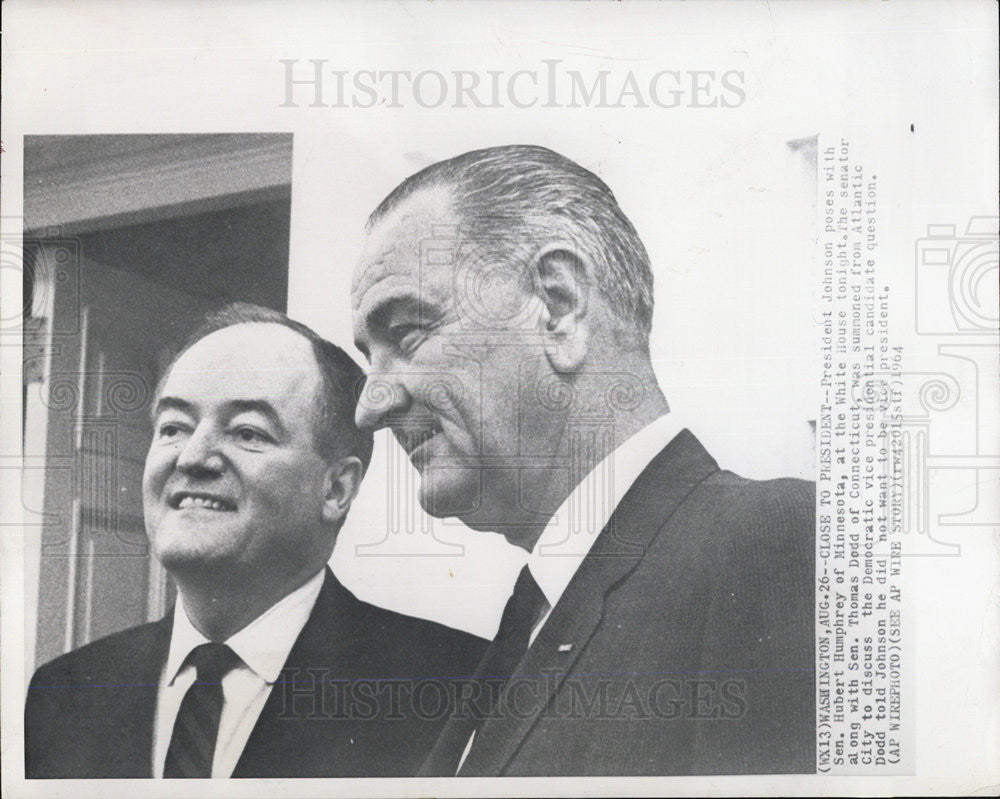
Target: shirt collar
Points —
{"points": [[263, 645], [574, 527]]}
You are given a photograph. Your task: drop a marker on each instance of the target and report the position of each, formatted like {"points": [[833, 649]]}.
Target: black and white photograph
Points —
{"points": [[500, 399]]}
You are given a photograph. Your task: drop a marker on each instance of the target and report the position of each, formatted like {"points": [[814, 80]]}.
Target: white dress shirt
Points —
{"points": [[573, 528], [263, 646]]}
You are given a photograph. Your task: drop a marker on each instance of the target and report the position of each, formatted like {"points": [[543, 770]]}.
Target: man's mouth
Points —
{"points": [[413, 440], [184, 500]]}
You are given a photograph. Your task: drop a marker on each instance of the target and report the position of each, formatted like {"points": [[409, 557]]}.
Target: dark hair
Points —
{"points": [[515, 194], [336, 434]]}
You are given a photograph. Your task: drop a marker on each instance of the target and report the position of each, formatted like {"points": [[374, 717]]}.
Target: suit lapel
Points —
{"points": [[656, 494], [328, 642], [131, 706]]}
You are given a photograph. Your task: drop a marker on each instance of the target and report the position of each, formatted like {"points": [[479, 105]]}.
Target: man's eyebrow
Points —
{"points": [[171, 403], [381, 312], [233, 407], [399, 301]]}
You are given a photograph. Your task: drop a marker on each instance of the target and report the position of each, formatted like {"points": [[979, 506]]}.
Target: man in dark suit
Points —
{"points": [[662, 623], [267, 666]]}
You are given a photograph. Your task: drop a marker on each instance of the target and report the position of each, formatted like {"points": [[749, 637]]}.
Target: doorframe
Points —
{"points": [[122, 180]]}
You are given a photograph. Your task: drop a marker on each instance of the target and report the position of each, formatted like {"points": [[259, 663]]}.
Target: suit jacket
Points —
{"points": [[683, 644], [344, 704]]}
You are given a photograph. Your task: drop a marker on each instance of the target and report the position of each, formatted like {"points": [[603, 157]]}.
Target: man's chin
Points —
{"points": [[449, 493], [179, 551], [177, 559]]}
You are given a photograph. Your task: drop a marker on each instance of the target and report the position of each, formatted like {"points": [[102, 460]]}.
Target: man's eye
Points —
{"points": [[251, 435], [168, 430], [407, 336]]}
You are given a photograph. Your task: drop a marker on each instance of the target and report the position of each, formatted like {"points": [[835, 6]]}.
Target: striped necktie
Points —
{"points": [[192, 745]]}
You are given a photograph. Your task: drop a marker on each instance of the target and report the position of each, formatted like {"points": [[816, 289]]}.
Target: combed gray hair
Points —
{"points": [[518, 194]]}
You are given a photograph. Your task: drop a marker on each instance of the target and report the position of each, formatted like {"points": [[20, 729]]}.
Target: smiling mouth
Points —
{"points": [[185, 500]]}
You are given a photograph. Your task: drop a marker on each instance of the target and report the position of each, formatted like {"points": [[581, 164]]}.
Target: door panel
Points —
{"points": [[96, 576], [128, 240]]}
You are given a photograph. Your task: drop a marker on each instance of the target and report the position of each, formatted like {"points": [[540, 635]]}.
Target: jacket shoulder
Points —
{"points": [[97, 658], [761, 511], [791, 492], [87, 712], [430, 642]]}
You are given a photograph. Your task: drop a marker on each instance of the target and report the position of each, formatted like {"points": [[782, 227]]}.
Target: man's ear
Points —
{"points": [[564, 285], [343, 480]]}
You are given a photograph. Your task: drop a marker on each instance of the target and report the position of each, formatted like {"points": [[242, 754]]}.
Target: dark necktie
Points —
{"points": [[192, 745], [523, 610]]}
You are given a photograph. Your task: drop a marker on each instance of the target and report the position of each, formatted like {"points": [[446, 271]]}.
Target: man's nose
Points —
{"points": [[382, 394], [201, 455]]}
